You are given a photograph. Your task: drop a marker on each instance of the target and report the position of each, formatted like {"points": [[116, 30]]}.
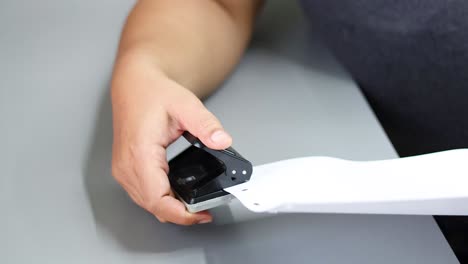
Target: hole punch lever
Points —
{"points": [[200, 174]]}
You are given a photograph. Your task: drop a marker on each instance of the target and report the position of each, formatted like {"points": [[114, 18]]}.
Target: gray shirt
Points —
{"points": [[410, 58]]}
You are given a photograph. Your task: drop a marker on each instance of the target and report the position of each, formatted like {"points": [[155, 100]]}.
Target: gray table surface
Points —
{"points": [[288, 98]]}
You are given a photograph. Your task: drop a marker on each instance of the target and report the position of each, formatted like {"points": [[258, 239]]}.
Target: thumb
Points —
{"points": [[195, 118]]}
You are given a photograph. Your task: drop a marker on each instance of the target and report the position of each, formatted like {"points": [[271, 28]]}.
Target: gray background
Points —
{"points": [[60, 204]]}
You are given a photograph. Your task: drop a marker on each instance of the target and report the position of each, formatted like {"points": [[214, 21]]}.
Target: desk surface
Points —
{"points": [[60, 204]]}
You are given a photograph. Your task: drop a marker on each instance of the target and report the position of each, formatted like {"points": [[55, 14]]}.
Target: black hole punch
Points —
{"points": [[200, 174], [244, 190]]}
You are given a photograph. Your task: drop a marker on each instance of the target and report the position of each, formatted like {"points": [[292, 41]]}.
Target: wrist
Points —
{"points": [[136, 69], [138, 61]]}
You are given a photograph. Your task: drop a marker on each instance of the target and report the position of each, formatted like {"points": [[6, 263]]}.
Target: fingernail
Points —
{"points": [[220, 137], [204, 221]]}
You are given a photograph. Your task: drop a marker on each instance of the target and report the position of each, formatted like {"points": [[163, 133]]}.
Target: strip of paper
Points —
{"points": [[431, 184]]}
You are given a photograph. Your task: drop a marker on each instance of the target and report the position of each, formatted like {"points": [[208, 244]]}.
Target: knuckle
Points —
{"points": [[208, 122], [118, 171], [137, 151], [150, 204], [135, 197], [160, 219], [188, 221]]}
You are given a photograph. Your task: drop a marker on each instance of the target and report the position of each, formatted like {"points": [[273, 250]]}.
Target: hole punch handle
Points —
{"points": [[232, 160]]}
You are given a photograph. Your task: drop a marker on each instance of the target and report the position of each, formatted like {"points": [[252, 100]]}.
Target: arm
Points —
{"points": [[195, 43], [172, 52]]}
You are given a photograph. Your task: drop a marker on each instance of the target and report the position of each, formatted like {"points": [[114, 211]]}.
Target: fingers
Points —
{"points": [[160, 201], [195, 118], [166, 209], [139, 161], [172, 210], [148, 186]]}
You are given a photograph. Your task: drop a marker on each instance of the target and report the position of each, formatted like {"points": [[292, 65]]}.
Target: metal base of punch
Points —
{"points": [[209, 204]]}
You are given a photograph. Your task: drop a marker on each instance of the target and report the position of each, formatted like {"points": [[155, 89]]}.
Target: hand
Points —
{"points": [[150, 111]]}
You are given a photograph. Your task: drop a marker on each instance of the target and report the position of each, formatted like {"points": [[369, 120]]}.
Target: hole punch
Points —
{"points": [[199, 175]]}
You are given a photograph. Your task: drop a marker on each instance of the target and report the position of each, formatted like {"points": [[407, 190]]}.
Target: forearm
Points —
{"points": [[195, 43]]}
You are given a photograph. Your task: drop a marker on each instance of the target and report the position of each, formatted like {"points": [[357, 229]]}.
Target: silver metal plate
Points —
{"points": [[209, 204]]}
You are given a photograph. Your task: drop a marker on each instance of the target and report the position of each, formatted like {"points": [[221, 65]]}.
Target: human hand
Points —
{"points": [[150, 111]]}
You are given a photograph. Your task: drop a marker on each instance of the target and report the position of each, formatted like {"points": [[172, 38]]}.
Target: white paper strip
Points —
{"points": [[432, 184]]}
